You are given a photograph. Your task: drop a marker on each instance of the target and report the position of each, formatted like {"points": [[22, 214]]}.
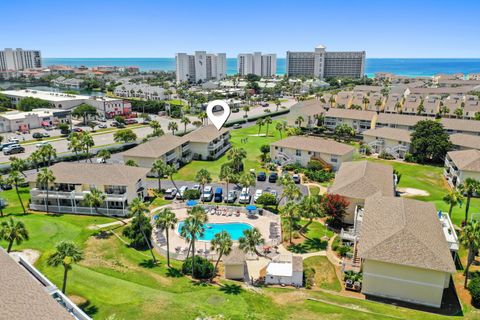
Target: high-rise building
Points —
{"points": [[322, 64], [201, 66], [256, 63], [19, 59]]}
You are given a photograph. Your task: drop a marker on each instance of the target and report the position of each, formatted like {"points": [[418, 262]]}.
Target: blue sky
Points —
{"points": [[147, 28]]}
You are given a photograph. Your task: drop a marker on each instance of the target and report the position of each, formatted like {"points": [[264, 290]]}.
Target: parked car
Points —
{"points": [[275, 194], [181, 191], [13, 140], [273, 177], [41, 144], [244, 196], [218, 196], [7, 144], [231, 196], [5, 186], [170, 193], [262, 176], [296, 178], [196, 187], [102, 119], [257, 195], [37, 135], [207, 194], [237, 126], [77, 130], [131, 121], [102, 126], [13, 149]]}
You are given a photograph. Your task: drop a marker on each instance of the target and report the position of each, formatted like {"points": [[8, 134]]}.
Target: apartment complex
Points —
{"points": [[255, 63], [201, 66], [322, 64], [119, 184], [19, 59], [461, 165]]}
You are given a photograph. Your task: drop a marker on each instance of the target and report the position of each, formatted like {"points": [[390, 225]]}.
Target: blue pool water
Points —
{"points": [[235, 229]]}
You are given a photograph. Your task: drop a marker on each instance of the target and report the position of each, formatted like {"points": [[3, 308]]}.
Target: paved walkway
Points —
{"points": [[110, 224]]}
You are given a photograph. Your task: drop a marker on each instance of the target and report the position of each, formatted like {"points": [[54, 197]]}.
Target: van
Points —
{"points": [[218, 197]]}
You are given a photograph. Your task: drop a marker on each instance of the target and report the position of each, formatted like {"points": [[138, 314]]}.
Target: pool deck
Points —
{"points": [[261, 222]]}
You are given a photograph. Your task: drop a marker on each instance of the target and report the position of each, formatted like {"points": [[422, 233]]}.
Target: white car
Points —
{"points": [[13, 140], [244, 196], [257, 195], [207, 193], [181, 191], [41, 144]]}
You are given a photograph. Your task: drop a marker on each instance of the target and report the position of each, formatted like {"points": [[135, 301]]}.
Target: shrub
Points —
{"points": [[309, 277], [314, 165], [386, 156], [474, 288], [191, 194], [267, 199], [203, 268], [409, 157], [320, 175], [134, 233], [343, 250]]}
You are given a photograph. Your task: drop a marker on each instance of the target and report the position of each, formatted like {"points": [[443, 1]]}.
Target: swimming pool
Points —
{"points": [[235, 229]]}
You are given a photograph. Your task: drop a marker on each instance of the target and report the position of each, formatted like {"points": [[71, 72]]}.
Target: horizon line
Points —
{"points": [[236, 58]]}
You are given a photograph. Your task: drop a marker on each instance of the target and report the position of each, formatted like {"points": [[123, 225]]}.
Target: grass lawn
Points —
{"points": [[313, 241], [325, 276], [430, 179], [314, 190], [252, 147]]}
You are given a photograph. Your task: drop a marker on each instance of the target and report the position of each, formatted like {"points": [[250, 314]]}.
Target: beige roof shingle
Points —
{"points": [[362, 179], [465, 140], [314, 144], [389, 133], [236, 256], [157, 147], [468, 160], [205, 134], [23, 297], [95, 173], [405, 232], [351, 114], [400, 119], [461, 125]]}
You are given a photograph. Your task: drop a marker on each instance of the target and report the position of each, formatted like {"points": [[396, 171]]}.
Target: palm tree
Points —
{"points": [[310, 208], [252, 238], [166, 220], [203, 116], [267, 122], [87, 143], [195, 226], [48, 153], [15, 179], [290, 192], [299, 121], [160, 168], [44, 178], [203, 177], [170, 170], [281, 126], [470, 238], [18, 164], [291, 212], [104, 154], [131, 163], [75, 144], [155, 125], [469, 188], [365, 102], [94, 199], [453, 199], [66, 254], [35, 158], [222, 244], [236, 155], [185, 122], [12, 231], [260, 124], [331, 100], [139, 209], [246, 109], [227, 174], [173, 126], [277, 104], [246, 180]]}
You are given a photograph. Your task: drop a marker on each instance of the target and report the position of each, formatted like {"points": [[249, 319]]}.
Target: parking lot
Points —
{"points": [[264, 185]]}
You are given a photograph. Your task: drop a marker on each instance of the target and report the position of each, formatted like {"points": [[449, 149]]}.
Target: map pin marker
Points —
{"points": [[218, 120]]}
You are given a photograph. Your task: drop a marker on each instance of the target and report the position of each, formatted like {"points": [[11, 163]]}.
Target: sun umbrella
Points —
{"points": [[192, 203], [251, 207]]}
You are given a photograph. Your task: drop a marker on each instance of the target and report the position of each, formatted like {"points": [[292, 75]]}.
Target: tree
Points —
{"points": [[268, 122], [131, 163], [252, 238], [203, 177], [173, 126], [30, 103], [281, 126], [138, 209], [236, 155], [365, 102], [35, 158], [310, 208], [228, 175], [15, 179], [246, 109], [13, 231], [469, 188], [18, 164], [335, 206], [87, 142], [66, 254], [222, 244], [44, 178], [48, 153], [84, 111], [166, 220], [203, 117], [278, 103], [290, 192], [470, 238], [194, 225], [260, 124], [185, 121], [155, 125], [458, 112], [264, 149], [246, 180], [291, 212], [430, 142], [159, 168], [344, 132], [453, 199], [75, 144], [125, 136], [299, 120], [170, 170], [94, 199], [267, 199], [104, 154]]}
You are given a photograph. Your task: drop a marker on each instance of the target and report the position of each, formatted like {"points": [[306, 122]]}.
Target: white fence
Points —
{"points": [[79, 210]]}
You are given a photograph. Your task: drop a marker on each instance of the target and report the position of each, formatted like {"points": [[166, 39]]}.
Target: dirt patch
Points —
{"points": [[289, 297], [78, 300], [29, 255], [412, 192]]}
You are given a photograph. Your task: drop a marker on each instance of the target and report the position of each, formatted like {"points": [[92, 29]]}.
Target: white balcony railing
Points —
{"points": [[39, 193], [79, 210], [449, 231]]}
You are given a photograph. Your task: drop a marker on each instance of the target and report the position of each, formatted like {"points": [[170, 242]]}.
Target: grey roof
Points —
{"points": [[468, 160], [297, 264], [442, 90], [461, 125], [465, 140], [308, 107], [389, 133], [236, 256], [314, 144], [405, 232], [400, 119], [351, 114], [23, 297], [205, 134], [95, 173], [362, 179], [157, 147]]}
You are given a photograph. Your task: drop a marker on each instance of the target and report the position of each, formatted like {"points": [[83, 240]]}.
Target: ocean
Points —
{"points": [[406, 67]]}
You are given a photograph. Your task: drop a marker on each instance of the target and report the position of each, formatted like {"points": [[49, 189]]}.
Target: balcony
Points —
{"points": [[449, 231], [170, 157], [213, 146], [80, 210], [39, 193]]}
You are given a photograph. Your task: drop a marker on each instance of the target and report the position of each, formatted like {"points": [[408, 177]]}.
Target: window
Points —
{"points": [[298, 153], [333, 159]]}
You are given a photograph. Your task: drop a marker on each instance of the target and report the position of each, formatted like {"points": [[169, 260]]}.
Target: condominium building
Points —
{"points": [[19, 59], [461, 165], [255, 63], [322, 64], [201, 66]]}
